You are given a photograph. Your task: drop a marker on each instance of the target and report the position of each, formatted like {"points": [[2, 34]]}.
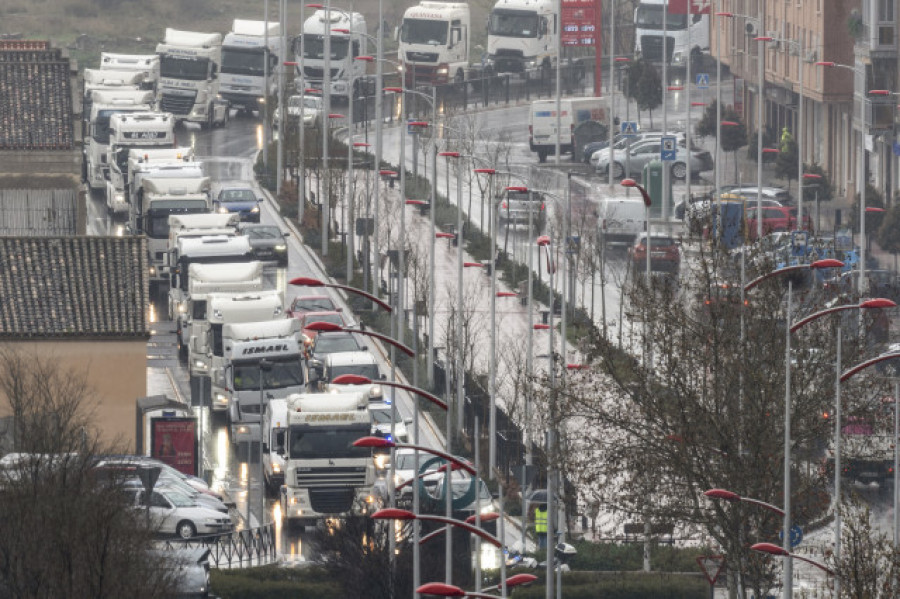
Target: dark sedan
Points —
{"points": [[266, 242]]}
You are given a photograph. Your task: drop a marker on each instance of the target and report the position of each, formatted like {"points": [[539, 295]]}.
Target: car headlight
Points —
{"points": [[221, 398], [280, 248], [223, 210], [210, 522], [276, 468], [182, 308], [255, 209], [678, 58], [201, 365], [487, 509]]}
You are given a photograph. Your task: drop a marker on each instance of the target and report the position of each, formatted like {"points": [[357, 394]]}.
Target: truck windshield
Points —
{"points": [[424, 31], [650, 16], [309, 443], [314, 47], [101, 130], [284, 373], [173, 67], [513, 23], [243, 61]]}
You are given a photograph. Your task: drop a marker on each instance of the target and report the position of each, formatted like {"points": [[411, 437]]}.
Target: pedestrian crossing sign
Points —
{"points": [[702, 80], [629, 128]]}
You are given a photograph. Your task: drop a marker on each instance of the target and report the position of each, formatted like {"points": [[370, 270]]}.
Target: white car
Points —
{"points": [[309, 106], [381, 422], [634, 160], [172, 512]]}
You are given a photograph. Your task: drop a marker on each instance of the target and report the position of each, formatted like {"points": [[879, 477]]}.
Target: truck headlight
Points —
{"points": [[221, 398], [678, 58], [119, 197], [280, 248], [381, 460], [276, 468], [201, 365], [443, 71], [223, 210]]}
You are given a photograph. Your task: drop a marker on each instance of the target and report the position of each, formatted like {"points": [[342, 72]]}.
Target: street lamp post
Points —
{"points": [[448, 590], [872, 303], [827, 263], [264, 366]]}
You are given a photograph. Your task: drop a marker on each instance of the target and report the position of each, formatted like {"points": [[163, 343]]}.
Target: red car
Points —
{"points": [[311, 303], [308, 317], [775, 218], [665, 253]]}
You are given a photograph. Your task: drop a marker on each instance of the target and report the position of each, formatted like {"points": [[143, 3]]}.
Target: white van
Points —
{"points": [[620, 219], [542, 132]]}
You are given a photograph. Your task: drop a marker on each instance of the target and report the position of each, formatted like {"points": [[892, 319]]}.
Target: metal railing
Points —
{"points": [[240, 549]]}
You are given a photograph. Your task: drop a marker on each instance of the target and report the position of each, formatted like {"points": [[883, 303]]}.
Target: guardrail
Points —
{"points": [[240, 549]]}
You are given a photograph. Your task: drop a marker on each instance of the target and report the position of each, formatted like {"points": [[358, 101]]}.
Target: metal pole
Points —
{"points": [[264, 366], [896, 462], [800, 132], [325, 193], [551, 472], [559, 53], [862, 284], [477, 502], [718, 161], [280, 160], [301, 154], [687, 101], [788, 563], [417, 567], [348, 226], [459, 297], [612, 102], [761, 59], [665, 85], [492, 424], [265, 111], [379, 123], [529, 369], [401, 250], [433, 203], [448, 513], [837, 460]]}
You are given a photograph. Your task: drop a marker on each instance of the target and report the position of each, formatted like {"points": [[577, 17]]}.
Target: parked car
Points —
{"points": [[639, 156], [266, 242], [774, 218], [778, 194], [330, 343], [174, 513], [515, 206], [620, 141], [127, 471], [665, 253], [311, 303], [475, 490], [238, 199]]}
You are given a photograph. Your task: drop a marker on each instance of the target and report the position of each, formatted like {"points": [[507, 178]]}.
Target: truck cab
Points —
{"points": [[104, 104], [309, 49], [206, 247], [434, 42], [523, 35], [189, 64], [246, 80], [127, 132], [686, 35]]}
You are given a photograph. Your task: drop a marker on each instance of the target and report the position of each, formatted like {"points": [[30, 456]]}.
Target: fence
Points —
{"points": [[240, 549], [38, 212]]}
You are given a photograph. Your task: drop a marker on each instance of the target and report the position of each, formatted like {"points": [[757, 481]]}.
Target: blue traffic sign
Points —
{"points": [[667, 148], [796, 535], [702, 80], [629, 128]]}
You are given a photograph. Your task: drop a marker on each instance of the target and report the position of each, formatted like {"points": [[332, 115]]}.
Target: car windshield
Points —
{"points": [[370, 371], [179, 499], [307, 442], [332, 344], [332, 318], [312, 304], [263, 232], [237, 195], [381, 415]]}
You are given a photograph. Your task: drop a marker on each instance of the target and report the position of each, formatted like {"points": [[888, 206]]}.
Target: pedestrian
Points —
{"points": [[540, 525]]}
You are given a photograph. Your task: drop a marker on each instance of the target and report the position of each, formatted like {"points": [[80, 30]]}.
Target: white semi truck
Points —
{"points": [[648, 34], [275, 426], [159, 197], [200, 281], [189, 64], [169, 161], [129, 132], [206, 354], [106, 80], [523, 35], [104, 104], [346, 71], [245, 346], [244, 53], [325, 476], [434, 43], [147, 65]]}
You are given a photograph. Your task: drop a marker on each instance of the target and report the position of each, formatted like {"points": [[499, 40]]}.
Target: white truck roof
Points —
{"points": [[435, 10], [237, 276], [120, 97], [212, 220], [347, 401], [177, 37], [245, 306], [351, 358], [111, 78], [281, 327], [129, 62], [316, 23], [214, 245], [255, 28], [175, 185]]}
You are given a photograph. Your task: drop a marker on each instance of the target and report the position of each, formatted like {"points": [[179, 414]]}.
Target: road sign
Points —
{"points": [[796, 535], [711, 566], [702, 80], [629, 128], [667, 148]]}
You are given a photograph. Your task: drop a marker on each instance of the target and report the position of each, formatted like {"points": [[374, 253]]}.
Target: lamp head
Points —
{"points": [[393, 514], [323, 327], [351, 379], [378, 442], [306, 282], [722, 494]]}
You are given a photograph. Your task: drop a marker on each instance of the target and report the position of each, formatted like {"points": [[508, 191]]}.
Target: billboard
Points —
{"points": [[173, 441], [581, 22]]}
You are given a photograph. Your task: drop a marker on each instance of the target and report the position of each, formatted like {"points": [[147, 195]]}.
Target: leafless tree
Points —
{"points": [[63, 534], [869, 567]]}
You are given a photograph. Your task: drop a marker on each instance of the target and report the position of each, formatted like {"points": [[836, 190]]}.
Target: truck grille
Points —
{"points": [[353, 476], [317, 73], [177, 104], [508, 61], [422, 56], [331, 501], [651, 47]]}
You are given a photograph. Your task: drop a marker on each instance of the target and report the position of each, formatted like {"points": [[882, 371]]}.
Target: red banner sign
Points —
{"points": [[581, 22], [173, 441], [696, 7]]}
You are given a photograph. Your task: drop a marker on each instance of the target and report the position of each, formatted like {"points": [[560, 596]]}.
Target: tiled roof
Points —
{"points": [[73, 287], [35, 98]]}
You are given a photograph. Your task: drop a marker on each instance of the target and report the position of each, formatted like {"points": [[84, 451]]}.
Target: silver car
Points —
{"points": [[641, 154]]}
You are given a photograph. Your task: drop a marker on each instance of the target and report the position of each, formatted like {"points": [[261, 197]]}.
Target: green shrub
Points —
{"points": [[623, 585], [273, 582]]}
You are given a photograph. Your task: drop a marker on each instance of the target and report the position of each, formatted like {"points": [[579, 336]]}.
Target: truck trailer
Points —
{"points": [[147, 65], [104, 104], [128, 132]]}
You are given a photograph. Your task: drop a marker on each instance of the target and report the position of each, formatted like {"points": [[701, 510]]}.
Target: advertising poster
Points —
{"points": [[174, 442], [580, 22]]}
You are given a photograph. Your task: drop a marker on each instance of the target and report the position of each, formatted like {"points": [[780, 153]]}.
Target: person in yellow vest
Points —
{"points": [[540, 525]]}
